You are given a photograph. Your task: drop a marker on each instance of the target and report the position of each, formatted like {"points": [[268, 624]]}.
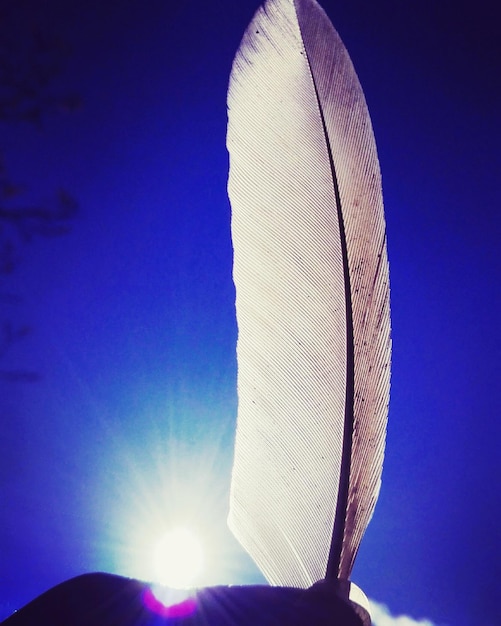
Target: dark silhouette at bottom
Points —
{"points": [[108, 600]]}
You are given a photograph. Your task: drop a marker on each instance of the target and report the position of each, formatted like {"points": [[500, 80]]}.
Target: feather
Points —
{"points": [[312, 298]]}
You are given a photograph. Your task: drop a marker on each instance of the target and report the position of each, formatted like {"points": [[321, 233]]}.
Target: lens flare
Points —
{"points": [[170, 603]]}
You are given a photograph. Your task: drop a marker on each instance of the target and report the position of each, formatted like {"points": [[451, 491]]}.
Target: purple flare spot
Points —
{"points": [[169, 602]]}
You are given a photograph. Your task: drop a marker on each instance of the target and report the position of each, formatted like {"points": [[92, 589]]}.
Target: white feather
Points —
{"points": [[311, 278]]}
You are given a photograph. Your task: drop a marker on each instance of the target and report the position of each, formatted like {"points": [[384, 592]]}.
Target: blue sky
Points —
{"points": [[134, 331]]}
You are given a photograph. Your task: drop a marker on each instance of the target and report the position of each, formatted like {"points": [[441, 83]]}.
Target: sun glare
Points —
{"points": [[178, 558]]}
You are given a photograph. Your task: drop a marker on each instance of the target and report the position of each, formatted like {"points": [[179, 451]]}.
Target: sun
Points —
{"points": [[178, 558]]}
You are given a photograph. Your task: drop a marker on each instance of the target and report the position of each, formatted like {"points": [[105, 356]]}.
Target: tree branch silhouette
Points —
{"points": [[30, 60]]}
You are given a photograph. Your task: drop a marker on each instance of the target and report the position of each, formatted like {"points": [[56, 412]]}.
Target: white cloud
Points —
{"points": [[381, 616]]}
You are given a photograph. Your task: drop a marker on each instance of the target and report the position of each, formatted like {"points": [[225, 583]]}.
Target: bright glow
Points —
{"points": [[178, 558], [163, 483]]}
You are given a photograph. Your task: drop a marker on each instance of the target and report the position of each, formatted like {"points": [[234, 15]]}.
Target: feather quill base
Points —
{"points": [[329, 590]]}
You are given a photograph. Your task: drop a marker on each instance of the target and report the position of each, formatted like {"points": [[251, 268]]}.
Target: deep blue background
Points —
{"points": [[134, 332]]}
